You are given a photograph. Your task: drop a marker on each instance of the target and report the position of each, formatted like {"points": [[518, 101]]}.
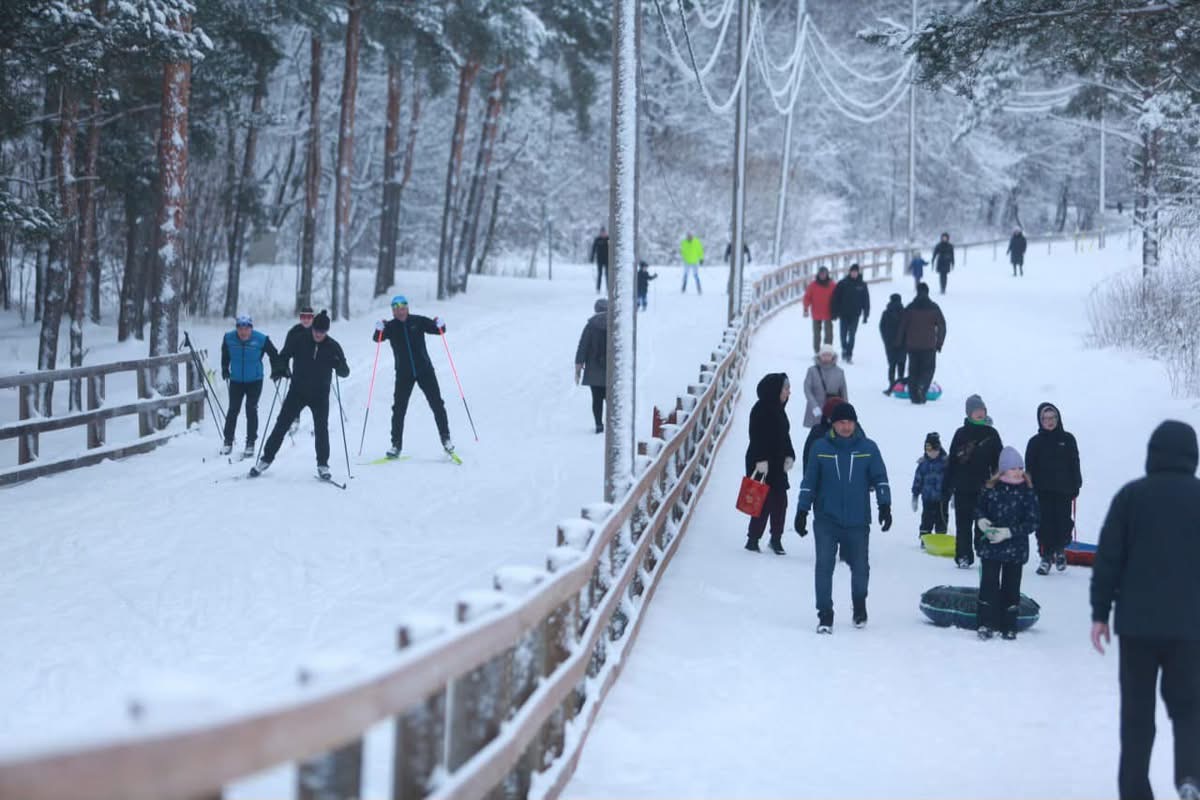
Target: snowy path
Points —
{"points": [[730, 693]]}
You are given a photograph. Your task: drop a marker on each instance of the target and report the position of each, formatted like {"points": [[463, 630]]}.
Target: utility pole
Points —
{"points": [[1103, 187], [786, 162], [739, 165], [912, 143]]}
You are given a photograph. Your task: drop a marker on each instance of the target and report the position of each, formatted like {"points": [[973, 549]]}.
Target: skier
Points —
{"points": [[916, 267], [818, 302], [1006, 516], [943, 259], [1016, 251], [1052, 463], [302, 330], [242, 350], [889, 327], [973, 459], [599, 257], [406, 332], [844, 468], [643, 284], [851, 297], [1146, 563], [929, 487], [692, 251], [591, 359], [921, 334], [770, 453], [313, 362], [823, 380]]}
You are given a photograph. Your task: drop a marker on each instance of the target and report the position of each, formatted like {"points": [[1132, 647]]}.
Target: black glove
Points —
{"points": [[225, 374], [342, 369], [280, 372], [802, 523], [885, 518]]}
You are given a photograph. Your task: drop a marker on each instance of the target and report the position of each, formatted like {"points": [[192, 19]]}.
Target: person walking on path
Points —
{"points": [[643, 284], [242, 350], [406, 333], [1006, 516], [1016, 251], [889, 327], [692, 251], [1052, 463], [818, 303], [973, 459], [845, 467], [591, 359], [818, 431], [599, 257], [922, 333], [916, 268], [770, 454], [745, 252], [1146, 564], [313, 362], [943, 259], [929, 487], [824, 379], [851, 299]]}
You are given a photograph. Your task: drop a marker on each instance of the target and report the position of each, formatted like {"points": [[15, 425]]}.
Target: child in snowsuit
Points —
{"points": [[643, 284], [770, 453], [927, 486], [1005, 518]]}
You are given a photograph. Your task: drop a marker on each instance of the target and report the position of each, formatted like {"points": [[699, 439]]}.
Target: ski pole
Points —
{"points": [[200, 369], [267, 427], [370, 393], [345, 447], [203, 372], [460, 389]]}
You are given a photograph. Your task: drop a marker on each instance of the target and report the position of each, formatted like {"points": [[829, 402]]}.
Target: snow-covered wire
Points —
{"points": [[897, 89], [722, 15], [850, 113], [793, 83], [901, 70], [690, 61], [797, 47]]}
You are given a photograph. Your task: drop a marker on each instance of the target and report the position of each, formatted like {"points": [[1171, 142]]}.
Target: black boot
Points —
{"points": [[984, 615], [860, 613], [752, 544], [777, 546], [1010, 623]]}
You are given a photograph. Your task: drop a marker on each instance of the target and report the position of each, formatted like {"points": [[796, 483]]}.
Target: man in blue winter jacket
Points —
{"points": [[843, 468], [242, 350]]}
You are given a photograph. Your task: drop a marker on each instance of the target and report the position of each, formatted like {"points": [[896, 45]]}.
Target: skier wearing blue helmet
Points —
{"points": [[242, 351]]}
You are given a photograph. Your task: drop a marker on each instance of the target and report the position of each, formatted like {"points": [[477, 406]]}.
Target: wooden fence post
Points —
{"points": [[145, 418], [195, 409], [27, 445], [336, 775], [95, 399], [420, 732], [479, 698]]}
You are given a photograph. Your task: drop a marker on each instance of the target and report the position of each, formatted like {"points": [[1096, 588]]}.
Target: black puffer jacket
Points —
{"points": [[1150, 544], [1052, 458], [922, 325], [973, 458], [889, 323], [770, 438], [851, 297]]}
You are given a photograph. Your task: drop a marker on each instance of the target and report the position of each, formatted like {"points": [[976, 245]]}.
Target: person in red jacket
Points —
{"points": [[818, 303]]}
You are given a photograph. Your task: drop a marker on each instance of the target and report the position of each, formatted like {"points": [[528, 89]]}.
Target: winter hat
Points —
{"points": [[830, 404], [643, 265], [245, 321], [321, 321], [974, 402], [896, 299], [855, 268], [1010, 459], [600, 306], [827, 348], [843, 411], [933, 440], [399, 300], [306, 310], [922, 289]]}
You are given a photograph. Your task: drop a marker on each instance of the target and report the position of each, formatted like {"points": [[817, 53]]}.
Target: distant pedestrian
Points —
{"points": [[922, 334], [943, 259], [692, 252], [973, 459], [242, 351], [1016, 251], [1007, 514], [591, 359], [851, 300], [745, 252], [818, 303], [599, 257], [916, 268], [889, 329], [1052, 463], [770, 454], [824, 379], [643, 284]]}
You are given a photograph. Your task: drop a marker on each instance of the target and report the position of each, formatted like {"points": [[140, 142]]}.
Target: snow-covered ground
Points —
{"points": [[730, 693]]}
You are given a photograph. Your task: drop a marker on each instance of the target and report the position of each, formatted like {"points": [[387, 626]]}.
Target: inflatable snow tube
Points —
{"points": [[1081, 554], [900, 390], [958, 605], [940, 544]]}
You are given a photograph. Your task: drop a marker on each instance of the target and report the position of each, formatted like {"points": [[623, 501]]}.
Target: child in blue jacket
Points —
{"points": [[927, 485], [1005, 517]]}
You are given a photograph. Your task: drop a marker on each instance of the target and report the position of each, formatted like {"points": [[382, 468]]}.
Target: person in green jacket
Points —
{"points": [[693, 256]]}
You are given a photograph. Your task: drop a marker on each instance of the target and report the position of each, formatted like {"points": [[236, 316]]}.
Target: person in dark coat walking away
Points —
{"points": [[973, 459], [1005, 518], [818, 431], [1016, 251], [599, 257], [643, 284], [770, 453], [851, 299], [889, 328], [921, 334], [1052, 463], [314, 360], [943, 259], [929, 487], [591, 359], [1146, 564], [845, 467], [916, 268], [406, 333], [818, 303], [242, 350]]}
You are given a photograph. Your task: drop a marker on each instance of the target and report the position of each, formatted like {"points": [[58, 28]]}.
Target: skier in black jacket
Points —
{"points": [[889, 327], [406, 332], [943, 259], [851, 298], [314, 360], [1146, 564], [973, 460], [770, 452], [302, 330], [1052, 463]]}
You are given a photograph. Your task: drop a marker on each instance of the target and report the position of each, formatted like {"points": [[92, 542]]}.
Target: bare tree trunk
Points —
{"points": [[171, 220], [345, 165], [466, 78], [490, 236], [483, 163], [245, 186], [127, 317], [1145, 203], [385, 276], [85, 252], [312, 179]]}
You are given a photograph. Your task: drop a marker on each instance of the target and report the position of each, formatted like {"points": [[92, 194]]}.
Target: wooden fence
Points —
{"points": [[152, 413], [498, 705]]}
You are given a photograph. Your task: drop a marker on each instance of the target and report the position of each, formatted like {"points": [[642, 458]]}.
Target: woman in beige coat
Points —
{"points": [[823, 380]]}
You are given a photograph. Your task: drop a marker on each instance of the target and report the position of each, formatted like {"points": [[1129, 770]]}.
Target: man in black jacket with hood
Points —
{"points": [[1052, 463], [770, 452], [922, 333], [851, 299], [1146, 564]]}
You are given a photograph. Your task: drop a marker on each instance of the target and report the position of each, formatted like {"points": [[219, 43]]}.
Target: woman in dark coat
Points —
{"points": [[770, 453], [591, 359], [1052, 463]]}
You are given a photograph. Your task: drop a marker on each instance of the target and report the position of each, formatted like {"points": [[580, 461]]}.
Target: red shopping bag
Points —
{"points": [[752, 495]]}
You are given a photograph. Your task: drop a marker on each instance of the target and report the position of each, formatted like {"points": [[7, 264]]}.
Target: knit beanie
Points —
{"points": [[321, 321], [1010, 459], [843, 411], [922, 289], [974, 402], [933, 440]]}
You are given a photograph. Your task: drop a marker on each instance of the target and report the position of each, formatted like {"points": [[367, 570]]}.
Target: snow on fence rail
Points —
{"points": [[149, 408], [500, 705]]}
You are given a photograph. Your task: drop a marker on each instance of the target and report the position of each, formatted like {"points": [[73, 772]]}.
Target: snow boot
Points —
{"points": [[984, 613], [984, 632], [225, 450], [777, 546], [248, 450], [258, 469], [393, 451], [752, 544], [323, 472], [962, 563], [825, 622], [1044, 566], [1060, 561], [1010, 624], [600, 428], [860, 614]]}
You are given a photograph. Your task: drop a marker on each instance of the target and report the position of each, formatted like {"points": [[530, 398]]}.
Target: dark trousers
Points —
{"points": [[293, 404], [921, 366], [641, 301], [822, 327], [942, 276], [601, 274], [598, 393], [1018, 266], [964, 526], [1141, 660], [934, 514], [999, 594], [848, 330], [1055, 523], [896, 358], [251, 392], [433, 395], [853, 544], [775, 510]]}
